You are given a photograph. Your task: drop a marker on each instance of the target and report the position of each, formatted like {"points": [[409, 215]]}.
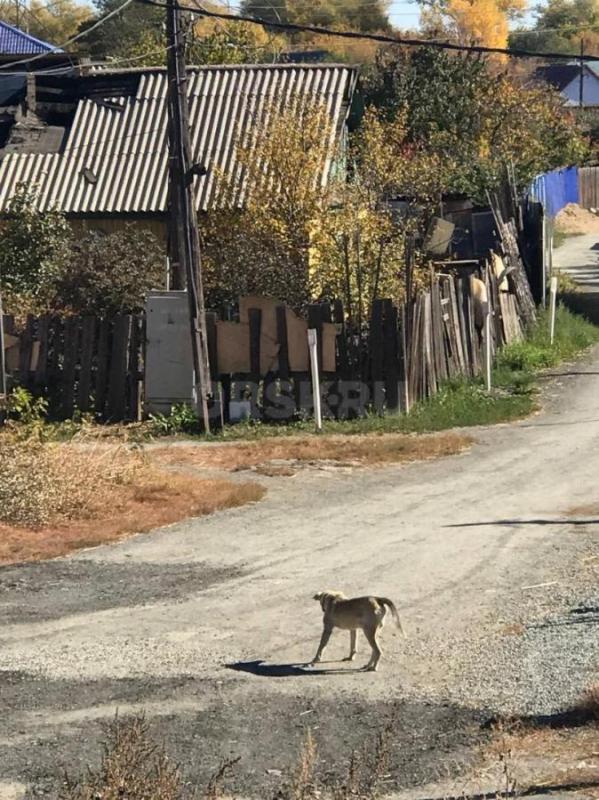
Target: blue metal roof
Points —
{"points": [[16, 42]]}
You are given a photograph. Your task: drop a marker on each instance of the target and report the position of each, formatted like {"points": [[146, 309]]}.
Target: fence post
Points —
{"points": [[313, 347], [487, 313], [553, 293], [3, 389]]}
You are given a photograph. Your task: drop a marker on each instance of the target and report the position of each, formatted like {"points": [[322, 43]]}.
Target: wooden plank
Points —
{"points": [[391, 356], [117, 381], [343, 365], [133, 411], [415, 354], [88, 340], [283, 342], [102, 366], [69, 366], [455, 329], [430, 376], [376, 356], [315, 320], [26, 339], [255, 320], [41, 370], [438, 332], [211, 318]]}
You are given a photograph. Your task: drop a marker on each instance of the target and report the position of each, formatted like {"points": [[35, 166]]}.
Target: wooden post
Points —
{"points": [[553, 292], [181, 175], [3, 381], [487, 313]]}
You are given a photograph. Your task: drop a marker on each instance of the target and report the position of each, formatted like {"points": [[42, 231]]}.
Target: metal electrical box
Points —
{"points": [[169, 362]]}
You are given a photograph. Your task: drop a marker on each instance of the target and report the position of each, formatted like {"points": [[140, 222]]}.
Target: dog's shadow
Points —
{"points": [[265, 670]]}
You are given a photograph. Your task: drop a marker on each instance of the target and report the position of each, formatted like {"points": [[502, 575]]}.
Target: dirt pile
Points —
{"points": [[574, 219]]}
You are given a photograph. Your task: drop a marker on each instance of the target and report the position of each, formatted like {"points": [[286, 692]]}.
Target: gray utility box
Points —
{"points": [[169, 362]]}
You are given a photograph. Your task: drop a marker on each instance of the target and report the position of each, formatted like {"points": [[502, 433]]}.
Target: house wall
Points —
{"points": [[155, 225], [590, 89]]}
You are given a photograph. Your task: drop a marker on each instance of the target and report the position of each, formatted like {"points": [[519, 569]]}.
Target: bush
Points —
{"points": [[40, 486], [34, 251], [111, 273]]}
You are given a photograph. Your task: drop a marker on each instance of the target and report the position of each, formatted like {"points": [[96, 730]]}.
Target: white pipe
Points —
{"points": [[313, 347], [553, 293]]}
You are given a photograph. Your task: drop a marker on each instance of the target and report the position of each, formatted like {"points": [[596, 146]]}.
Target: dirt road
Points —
{"points": [[202, 624]]}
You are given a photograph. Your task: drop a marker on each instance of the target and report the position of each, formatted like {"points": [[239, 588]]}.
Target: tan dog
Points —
{"points": [[364, 613]]}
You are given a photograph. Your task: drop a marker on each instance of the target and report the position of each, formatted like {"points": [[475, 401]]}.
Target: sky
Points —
{"points": [[404, 13]]}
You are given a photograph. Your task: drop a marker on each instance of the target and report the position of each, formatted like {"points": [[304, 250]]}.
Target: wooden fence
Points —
{"points": [[401, 356], [588, 186], [83, 364]]}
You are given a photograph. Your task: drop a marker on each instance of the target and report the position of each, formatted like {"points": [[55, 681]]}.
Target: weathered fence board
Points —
{"points": [[588, 187]]}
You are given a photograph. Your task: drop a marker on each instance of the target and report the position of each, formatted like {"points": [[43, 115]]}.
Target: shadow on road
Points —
{"points": [[266, 670], [584, 303]]}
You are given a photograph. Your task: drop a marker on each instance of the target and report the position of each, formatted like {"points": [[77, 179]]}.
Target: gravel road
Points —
{"points": [[203, 624]]}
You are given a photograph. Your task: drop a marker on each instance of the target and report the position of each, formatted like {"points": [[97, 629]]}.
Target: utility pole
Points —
{"points": [[181, 172], [581, 88]]}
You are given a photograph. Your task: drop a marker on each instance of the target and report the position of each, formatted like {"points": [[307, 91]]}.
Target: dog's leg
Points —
{"points": [[353, 636], [370, 634], [326, 635]]}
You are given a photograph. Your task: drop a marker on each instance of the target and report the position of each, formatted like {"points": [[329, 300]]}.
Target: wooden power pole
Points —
{"points": [[182, 199]]}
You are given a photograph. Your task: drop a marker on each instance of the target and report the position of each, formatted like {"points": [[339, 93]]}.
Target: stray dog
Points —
{"points": [[365, 613]]}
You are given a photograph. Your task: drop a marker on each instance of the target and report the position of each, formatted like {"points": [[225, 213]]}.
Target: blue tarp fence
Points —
{"points": [[555, 189]]}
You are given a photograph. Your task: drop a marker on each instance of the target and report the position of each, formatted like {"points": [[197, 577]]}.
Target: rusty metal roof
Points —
{"points": [[114, 159]]}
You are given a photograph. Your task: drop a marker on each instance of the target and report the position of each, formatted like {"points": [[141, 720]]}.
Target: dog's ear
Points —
{"points": [[318, 596]]}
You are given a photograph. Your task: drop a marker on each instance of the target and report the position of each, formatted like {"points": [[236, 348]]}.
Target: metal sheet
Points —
{"points": [[115, 160]]}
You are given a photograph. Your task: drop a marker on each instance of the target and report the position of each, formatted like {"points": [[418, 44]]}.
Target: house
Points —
{"points": [[110, 164], [566, 78], [21, 53]]}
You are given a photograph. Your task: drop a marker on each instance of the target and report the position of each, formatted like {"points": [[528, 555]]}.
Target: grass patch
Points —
{"points": [[559, 237], [342, 450], [55, 498]]}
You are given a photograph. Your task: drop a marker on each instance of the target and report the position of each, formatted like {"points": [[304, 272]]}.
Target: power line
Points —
{"points": [[70, 41], [581, 29], [374, 37]]}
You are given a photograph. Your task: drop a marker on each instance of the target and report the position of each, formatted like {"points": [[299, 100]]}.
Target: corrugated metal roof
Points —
{"points": [[14, 41], [115, 157]]}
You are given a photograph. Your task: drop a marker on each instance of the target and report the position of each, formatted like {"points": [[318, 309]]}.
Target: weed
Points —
{"points": [[589, 702], [181, 419], [132, 766]]}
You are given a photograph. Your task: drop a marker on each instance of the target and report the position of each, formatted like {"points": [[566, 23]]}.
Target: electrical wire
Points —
{"points": [[375, 37], [70, 41]]}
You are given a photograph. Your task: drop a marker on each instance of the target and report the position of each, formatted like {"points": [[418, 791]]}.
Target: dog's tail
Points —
{"points": [[384, 601]]}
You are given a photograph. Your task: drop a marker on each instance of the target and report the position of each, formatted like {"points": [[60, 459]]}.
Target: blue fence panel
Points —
{"points": [[555, 189]]}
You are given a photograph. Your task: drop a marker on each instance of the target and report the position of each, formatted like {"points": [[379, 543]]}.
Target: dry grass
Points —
{"points": [[55, 498], [343, 450], [133, 766]]}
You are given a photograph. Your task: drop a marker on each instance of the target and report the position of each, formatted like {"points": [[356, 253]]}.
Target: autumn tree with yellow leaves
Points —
{"points": [[472, 22]]}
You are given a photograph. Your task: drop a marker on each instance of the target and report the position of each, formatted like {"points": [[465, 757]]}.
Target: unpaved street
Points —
{"points": [[490, 556]]}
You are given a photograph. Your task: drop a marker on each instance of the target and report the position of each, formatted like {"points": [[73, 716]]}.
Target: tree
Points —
{"points": [[361, 15], [54, 23], [119, 37], [560, 26], [34, 252], [483, 22], [137, 37], [110, 273], [474, 118], [298, 238]]}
